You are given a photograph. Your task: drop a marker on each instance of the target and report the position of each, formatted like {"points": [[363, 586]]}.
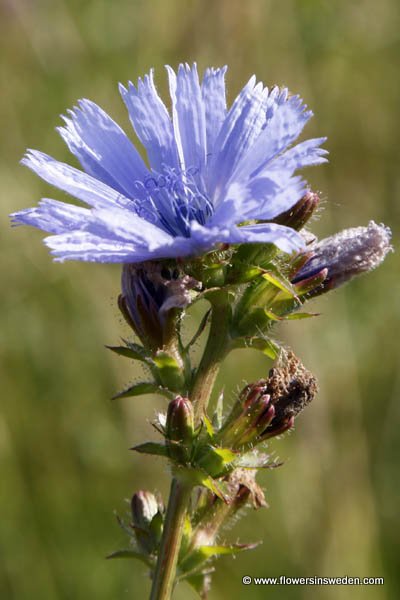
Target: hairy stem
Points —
{"points": [[164, 576], [214, 353]]}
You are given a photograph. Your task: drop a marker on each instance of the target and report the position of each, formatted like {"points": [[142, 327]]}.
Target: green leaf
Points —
{"points": [[131, 554], [144, 387], [151, 448]]}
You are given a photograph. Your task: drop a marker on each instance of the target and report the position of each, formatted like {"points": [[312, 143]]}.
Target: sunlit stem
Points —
{"points": [[214, 352]]}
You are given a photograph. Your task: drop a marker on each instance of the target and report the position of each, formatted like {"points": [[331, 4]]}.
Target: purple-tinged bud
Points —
{"points": [[144, 506], [249, 417], [146, 509], [150, 293], [297, 216], [344, 256], [180, 429]]}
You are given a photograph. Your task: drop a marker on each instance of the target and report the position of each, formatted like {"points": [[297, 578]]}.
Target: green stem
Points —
{"points": [[215, 350], [164, 576], [214, 353]]}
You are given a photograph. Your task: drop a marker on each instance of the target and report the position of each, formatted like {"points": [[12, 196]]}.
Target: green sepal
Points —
{"points": [[156, 528], [131, 350], [200, 582], [243, 272], [200, 477], [218, 414], [215, 461], [151, 448], [200, 329], [285, 287], [291, 317], [265, 345], [169, 371], [202, 554], [255, 460], [186, 537], [144, 387], [209, 426], [131, 554]]}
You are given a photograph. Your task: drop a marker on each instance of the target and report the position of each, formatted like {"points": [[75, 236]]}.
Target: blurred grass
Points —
{"points": [[63, 445]]}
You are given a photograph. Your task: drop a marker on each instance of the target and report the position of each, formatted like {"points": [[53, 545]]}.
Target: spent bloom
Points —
{"points": [[343, 256], [213, 175]]}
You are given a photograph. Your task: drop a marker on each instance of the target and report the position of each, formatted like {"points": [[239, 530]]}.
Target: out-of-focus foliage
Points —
{"points": [[64, 455]]}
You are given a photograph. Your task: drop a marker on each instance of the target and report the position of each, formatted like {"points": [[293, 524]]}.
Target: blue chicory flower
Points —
{"points": [[211, 171]]}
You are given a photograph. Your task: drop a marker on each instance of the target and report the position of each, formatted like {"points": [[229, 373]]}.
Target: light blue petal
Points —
{"points": [[80, 185], [87, 246], [240, 129], [270, 205], [53, 216], [82, 245], [285, 238], [262, 198], [213, 93], [285, 125], [86, 156], [302, 155], [188, 112], [122, 225], [105, 142], [151, 122]]}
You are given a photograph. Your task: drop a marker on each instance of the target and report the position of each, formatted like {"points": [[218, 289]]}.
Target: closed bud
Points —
{"points": [[146, 512], [152, 293], [337, 259], [180, 429], [249, 417], [297, 216]]}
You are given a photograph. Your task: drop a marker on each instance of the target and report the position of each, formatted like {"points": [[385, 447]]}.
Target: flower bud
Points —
{"points": [[337, 259], [180, 429], [297, 216], [268, 407], [147, 521], [249, 417], [150, 293]]}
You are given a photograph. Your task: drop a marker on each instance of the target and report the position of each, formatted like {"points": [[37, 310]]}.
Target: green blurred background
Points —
{"points": [[65, 464]]}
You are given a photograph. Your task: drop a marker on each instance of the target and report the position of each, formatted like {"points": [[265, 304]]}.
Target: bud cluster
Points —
{"points": [[268, 408]]}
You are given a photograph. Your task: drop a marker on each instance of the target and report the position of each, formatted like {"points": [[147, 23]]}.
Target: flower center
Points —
{"points": [[174, 199]]}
